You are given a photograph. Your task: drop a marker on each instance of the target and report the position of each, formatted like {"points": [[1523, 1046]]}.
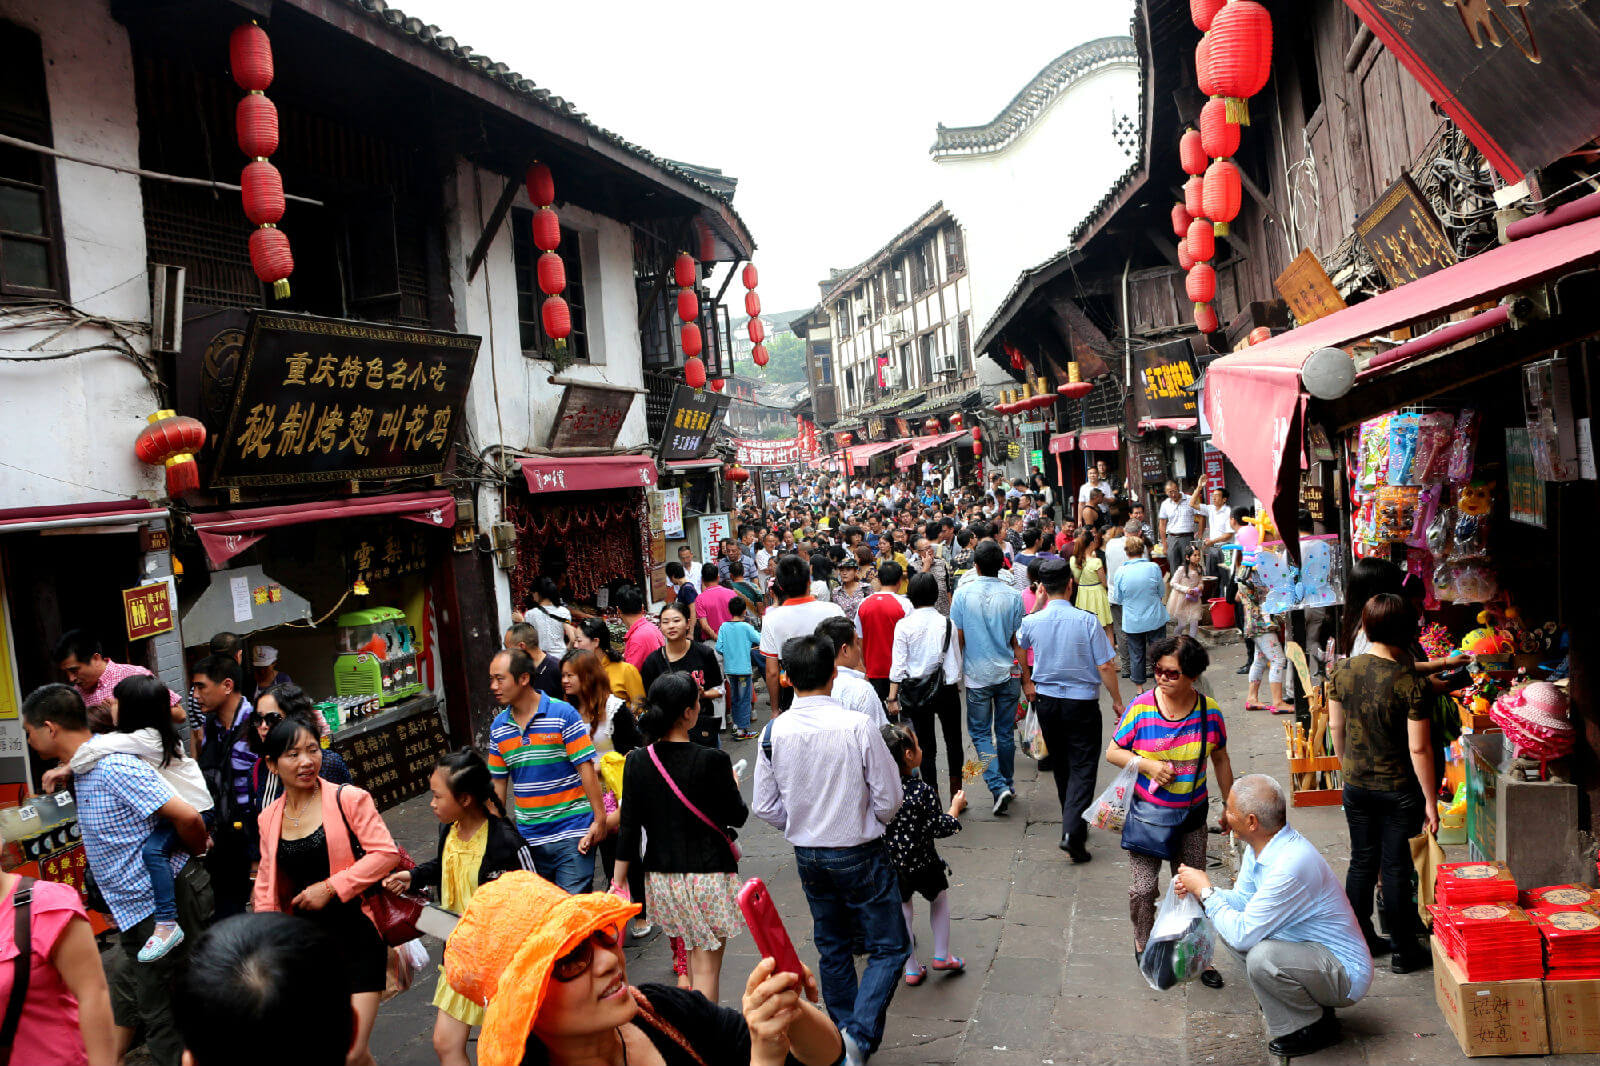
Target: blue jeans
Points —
{"points": [[739, 692], [560, 863], [156, 851], [992, 722], [1139, 664], [854, 892]]}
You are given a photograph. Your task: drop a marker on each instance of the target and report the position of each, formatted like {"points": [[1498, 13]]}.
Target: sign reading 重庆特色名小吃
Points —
{"points": [[320, 400]]}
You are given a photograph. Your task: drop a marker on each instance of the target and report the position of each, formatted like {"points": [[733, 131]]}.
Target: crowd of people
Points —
{"points": [[884, 621]]}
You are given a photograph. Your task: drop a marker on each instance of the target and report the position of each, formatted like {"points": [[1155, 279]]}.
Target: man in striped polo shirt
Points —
{"points": [[540, 754]]}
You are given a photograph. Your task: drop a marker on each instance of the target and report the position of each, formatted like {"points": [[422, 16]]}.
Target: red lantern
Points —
{"points": [[689, 338], [1180, 220], [1201, 285], [172, 439], [1241, 55], [546, 229], [1218, 136], [757, 331], [735, 472], [1075, 390], [750, 275], [956, 420], [250, 57], [1223, 193], [1203, 11], [552, 274], [688, 305], [1259, 334], [271, 259], [1194, 191], [845, 439], [1205, 78], [1205, 318], [758, 355], [931, 427], [261, 190], [977, 448], [1191, 156], [1202, 241], [684, 271], [716, 384], [557, 318], [1185, 260], [752, 304], [541, 185], [256, 123], [977, 432], [694, 371]]}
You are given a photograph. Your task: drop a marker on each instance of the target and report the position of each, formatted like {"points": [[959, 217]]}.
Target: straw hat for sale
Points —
{"points": [[1535, 720]]}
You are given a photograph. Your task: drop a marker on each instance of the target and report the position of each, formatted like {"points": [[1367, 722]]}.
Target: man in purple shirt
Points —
{"points": [[226, 760]]}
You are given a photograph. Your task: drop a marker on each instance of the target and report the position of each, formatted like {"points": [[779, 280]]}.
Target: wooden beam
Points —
{"points": [[1163, 243], [1256, 194], [497, 217]]}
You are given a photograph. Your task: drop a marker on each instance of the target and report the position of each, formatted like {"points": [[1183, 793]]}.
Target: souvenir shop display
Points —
{"points": [[1317, 582], [1553, 898], [1462, 884], [1490, 941]]}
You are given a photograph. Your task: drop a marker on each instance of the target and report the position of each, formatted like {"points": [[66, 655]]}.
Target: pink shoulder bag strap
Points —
{"points": [[676, 791]]}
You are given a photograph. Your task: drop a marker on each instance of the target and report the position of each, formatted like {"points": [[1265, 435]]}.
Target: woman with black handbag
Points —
{"points": [[923, 672], [1166, 734]]}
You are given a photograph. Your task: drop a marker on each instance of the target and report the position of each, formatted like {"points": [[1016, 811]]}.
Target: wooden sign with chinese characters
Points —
{"points": [[154, 540], [148, 610], [590, 417], [1307, 289], [1162, 376], [320, 400], [1403, 236], [691, 423], [375, 551], [1311, 496], [394, 760]]}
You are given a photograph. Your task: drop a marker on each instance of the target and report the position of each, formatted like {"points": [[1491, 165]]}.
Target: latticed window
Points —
{"points": [[530, 299], [31, 260]]}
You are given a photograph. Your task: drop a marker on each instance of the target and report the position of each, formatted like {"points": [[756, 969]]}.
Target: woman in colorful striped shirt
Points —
{"points": [[1167, 733]]}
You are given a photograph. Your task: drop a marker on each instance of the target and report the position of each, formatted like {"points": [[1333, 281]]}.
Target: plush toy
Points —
{"points": [[1485, 641], [1471, 531]]}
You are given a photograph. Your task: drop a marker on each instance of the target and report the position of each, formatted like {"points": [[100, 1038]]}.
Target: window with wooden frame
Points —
{"points": [[897, 284], [841, 312], [32, 259], [927, 347], [919, 271], [530, 299], [964, 341], [955, 253]]}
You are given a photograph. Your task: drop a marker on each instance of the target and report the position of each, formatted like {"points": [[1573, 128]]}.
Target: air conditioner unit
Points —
{"points": [[894, 323], [945, 364]]}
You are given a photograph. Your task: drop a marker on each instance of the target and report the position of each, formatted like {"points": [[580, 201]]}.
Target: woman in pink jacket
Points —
{"points": [[309, 865]]}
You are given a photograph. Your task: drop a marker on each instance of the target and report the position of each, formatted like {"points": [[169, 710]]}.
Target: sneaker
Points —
{"points": [[1002, 802], [639, 928], [744, 734], [854, 1054], [167, 936]]}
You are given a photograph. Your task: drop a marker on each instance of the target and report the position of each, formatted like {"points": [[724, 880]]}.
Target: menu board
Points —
{"points": [[394, 760]]}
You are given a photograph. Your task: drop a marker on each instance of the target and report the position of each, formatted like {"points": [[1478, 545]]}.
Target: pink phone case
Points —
{"points": [[766, 927]]}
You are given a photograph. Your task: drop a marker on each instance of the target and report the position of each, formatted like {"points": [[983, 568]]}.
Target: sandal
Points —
{"points": [[1254, 706], [916, 978], [1279, 710], [954, 964]]}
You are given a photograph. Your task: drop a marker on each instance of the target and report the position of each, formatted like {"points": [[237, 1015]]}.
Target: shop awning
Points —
{"points": [[225, 534], [1175, 424], [922, 444], [64, 516], [1062, 442], [1099, 439], [861, 454], [693, 464], [1253, 398], [583, 473]]}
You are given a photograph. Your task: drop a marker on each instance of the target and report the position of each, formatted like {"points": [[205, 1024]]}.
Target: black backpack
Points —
{"points": [[216, 766]]}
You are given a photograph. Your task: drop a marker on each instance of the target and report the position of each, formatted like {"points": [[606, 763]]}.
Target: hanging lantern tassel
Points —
{"points": [[172, 440], [271, 259]]}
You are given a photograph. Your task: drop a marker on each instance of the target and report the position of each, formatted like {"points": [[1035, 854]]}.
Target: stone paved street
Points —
{"points": [[1050, 977]]}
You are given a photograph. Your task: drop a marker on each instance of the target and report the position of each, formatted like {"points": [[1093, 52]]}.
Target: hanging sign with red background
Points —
{"points": [[148, 610]]}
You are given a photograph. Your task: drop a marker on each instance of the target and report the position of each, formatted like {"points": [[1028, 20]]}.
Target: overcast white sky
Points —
{"points": [[824, 111]]}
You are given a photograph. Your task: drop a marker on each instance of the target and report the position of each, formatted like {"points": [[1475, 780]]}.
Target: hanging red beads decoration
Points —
{"points": [[752, 304], [694, 371], [546, 229], [688, 305], [1241, 55], [1201, 241], [541, 185], [1191, 156], [757, 331], [173, 440], [751, 276], [260, 185], [1218, 136], [1223, 194], [758, 355], [689, 337], [556, 317], [1180, 220], [1205, 318], [684, 271], [1203, 11], [1201, 284], [552, 274], [1194, 197]]}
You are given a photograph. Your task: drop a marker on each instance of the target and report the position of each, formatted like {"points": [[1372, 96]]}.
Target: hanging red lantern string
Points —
{"points": [[685, 272], [1203, 11], [1201, 241], [751, 276], [552, 274], [172, 440], [556, 317], [1218, 136], [688, 305], [1205, 76], [1191, 156], [757, 331], [694, 371], [1194, 191], [1185, 260], [541, 185], [1223, 194], [554, 314], [1180, 220], [1205, 318], [758, 355], [1241, 55], [546, 229], [752, 304], [260, 185], [1201, 285], [689, 337], [716, 384]]}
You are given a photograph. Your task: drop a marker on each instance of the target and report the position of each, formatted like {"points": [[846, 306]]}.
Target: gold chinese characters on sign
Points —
{"points": [[1402, 235], [1307, 289]]}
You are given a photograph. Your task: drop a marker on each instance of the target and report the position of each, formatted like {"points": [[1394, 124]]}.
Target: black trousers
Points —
{"points": [[228, 862], [1072, 732], [946, 708], [1381, 827]]}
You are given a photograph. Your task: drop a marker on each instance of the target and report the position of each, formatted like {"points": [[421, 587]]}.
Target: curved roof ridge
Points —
{"points": [[1059, 75]]}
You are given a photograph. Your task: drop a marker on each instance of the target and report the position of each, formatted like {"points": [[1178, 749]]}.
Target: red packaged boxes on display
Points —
{"points": [[1462, 884], [1559, 898], [1490, 941], [1571, 942]]}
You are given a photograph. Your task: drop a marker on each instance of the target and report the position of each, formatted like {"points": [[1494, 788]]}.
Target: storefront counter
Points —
{"points": [[392, 754]]}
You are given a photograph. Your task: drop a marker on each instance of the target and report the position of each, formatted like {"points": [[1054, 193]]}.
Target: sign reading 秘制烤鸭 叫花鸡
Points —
{"points": [[320, 400]]}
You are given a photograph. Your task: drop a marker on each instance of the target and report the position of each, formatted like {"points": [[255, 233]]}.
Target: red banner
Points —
{"points": [[1215, 479]]}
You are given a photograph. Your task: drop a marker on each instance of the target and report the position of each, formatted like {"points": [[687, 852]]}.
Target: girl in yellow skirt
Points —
{"points": [[1089, 571], [477, 843]]}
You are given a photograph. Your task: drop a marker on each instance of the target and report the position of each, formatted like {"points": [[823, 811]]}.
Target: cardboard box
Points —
{"points": [[1573, 1008], [1490, 1017]]}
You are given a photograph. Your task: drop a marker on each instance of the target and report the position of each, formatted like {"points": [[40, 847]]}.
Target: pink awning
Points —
{"points": [[225, 534], [1062, 442], [922, 444], [106, 512], [861, 454], [584, 473], [1169, 423], [1099, 439]]}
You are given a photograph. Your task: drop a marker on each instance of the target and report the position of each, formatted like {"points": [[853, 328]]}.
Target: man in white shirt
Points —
{"points": [[766, 556], [825, 777], [795, 615], [925, 642], [1218, 527], [1177, 521], [691, 568], [1089, 486], [851, 687]]}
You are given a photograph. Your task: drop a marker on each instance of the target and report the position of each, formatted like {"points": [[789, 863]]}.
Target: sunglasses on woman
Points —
{"points": [[575, 963], [1167, 675]]}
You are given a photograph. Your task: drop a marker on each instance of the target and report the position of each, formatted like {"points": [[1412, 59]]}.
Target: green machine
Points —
{"points": [[377, 655]]}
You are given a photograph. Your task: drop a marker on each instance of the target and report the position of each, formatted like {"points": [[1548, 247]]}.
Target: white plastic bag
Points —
{"points": [[1181, 942], [1110, 808], [1032, 739], [406, 961]]}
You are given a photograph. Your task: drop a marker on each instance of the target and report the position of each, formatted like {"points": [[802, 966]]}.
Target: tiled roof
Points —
{"points": [[1059, 75], [379, 11], [839, 280], [969, 399], [892, 405]]}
